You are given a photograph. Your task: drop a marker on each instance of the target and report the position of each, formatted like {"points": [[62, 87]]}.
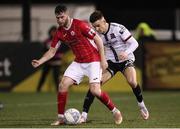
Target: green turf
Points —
{"points": [[26, 110]]}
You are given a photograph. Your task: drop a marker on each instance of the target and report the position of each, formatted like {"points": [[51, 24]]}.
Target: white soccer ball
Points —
{"points": [[72, 116]]}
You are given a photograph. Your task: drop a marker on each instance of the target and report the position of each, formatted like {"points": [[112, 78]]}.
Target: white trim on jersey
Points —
{"points": [[93, 43], [71, 21]]}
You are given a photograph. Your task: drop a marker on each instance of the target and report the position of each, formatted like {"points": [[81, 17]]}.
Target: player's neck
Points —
{"points": [[68, 25]]}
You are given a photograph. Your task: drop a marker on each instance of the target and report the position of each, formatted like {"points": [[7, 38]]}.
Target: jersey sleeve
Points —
{"points": [[87, 30], [55, 41], [124, 32]]}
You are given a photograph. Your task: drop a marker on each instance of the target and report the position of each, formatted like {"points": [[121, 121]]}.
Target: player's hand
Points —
{"points": [[104, 65], [123, 56], [35, 63]]}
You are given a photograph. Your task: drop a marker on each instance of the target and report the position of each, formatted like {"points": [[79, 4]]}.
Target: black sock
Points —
{"points": [[138, 93], [88, 101]]}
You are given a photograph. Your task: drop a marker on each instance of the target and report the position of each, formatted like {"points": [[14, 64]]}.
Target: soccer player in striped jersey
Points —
{"points": [[119, 47]]}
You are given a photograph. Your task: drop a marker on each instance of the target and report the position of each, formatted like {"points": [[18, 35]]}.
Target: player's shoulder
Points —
{"points": [[114, 24], [118, 25], [78, 21]]}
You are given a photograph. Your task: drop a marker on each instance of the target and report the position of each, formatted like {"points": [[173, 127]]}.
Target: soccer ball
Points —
{"points": [[72, 116]]}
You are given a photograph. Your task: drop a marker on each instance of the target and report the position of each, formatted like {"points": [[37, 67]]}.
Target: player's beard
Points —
{"points": [[63, 24], [66, 23], [60, 24]]}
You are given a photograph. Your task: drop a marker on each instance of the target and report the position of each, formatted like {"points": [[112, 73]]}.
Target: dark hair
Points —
{"points": [[96, 15], [60, 8]]}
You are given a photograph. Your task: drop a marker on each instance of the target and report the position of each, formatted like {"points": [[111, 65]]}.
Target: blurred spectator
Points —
{"points": [[54, 63], [144, 33]]}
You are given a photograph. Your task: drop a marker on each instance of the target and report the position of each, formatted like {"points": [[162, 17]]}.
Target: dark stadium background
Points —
{"points": [[160, 13]]}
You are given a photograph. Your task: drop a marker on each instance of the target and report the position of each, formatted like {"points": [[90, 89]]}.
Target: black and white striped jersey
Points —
{"points": [[115, 41]]}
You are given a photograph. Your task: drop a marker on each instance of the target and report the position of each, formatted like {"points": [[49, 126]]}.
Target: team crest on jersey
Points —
{"points": [[112, 35], [72, 33]]}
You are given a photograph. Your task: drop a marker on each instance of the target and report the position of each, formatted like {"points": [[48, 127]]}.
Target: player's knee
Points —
{"points": [[63, 86], [132, 83], [95, 89]]}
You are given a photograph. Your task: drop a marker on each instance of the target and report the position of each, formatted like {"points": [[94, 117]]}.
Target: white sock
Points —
{"points": [[84, 114], [60, 116], [114, 110], [141, 104]]}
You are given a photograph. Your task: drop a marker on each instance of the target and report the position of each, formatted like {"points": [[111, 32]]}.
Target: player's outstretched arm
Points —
{"points": [[48, 55]]}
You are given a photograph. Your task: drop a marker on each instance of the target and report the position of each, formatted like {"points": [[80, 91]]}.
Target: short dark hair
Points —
{"points": [[60, 9], [96, 15]]}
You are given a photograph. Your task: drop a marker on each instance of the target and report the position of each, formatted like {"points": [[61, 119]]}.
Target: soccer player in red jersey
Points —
{"points": [[89, 61]]}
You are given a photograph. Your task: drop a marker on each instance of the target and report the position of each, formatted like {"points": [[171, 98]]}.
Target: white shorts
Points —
{"points": [[77, 71]]}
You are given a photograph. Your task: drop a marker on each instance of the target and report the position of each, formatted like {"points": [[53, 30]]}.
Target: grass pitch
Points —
{"points": [[38, 110]]}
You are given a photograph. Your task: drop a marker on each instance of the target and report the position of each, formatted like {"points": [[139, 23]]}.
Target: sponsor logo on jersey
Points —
{"points": [[95, 78], [122, 30], [91, 32], [64, 35]]}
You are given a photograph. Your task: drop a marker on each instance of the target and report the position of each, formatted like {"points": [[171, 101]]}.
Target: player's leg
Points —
{"points": [[64, 85], [106, 76], [72, 75], [130, 74], [105, 99], [94, 73], [90, 97]]}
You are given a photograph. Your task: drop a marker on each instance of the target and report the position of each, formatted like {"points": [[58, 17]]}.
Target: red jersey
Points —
{"points": [[79, 37]]}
